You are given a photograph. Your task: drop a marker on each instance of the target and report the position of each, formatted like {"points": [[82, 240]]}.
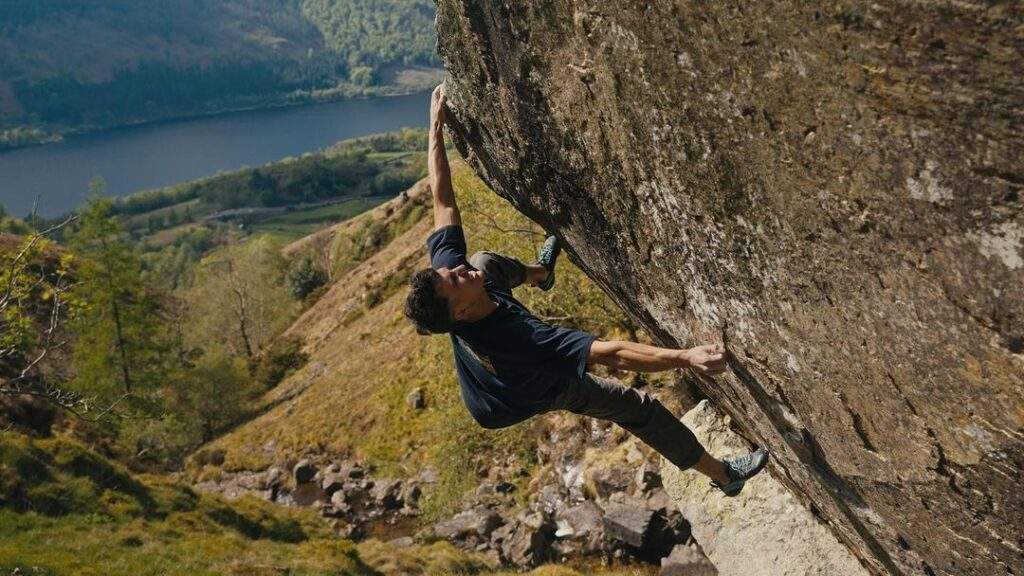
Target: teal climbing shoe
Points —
{"points": [[740, 469], [546, 257]]}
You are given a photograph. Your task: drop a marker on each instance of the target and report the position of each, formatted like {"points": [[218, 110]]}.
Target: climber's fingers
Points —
{"points": [[710, 359], [713, 352], [438, 104]]}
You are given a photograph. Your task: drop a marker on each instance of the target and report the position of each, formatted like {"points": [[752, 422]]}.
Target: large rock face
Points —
{"points": [[834, 188]]}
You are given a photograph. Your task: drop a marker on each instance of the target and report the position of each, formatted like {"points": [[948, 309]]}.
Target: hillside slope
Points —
{"points": [[365, 358], [833, 189], [65, 509]]}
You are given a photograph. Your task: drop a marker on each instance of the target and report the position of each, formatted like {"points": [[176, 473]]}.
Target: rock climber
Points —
{"points": [[511, 365]]}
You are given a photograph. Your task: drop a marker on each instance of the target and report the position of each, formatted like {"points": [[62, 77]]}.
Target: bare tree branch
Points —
{"points": [[29, 380], [494, 224]]}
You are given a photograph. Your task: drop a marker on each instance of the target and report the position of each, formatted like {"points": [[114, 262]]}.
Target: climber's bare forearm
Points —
{"points": [[636, 357], [446, 211]]}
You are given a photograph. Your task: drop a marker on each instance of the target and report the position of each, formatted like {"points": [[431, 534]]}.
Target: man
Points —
{"points": [[511, 365]]}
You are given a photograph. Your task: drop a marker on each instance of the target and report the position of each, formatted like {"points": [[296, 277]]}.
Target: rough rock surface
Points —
{"points": [[686, 561], [834, 188], [764, 530]]}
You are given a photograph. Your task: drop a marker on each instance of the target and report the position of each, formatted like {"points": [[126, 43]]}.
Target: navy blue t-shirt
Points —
{"points": [[511, 364]]}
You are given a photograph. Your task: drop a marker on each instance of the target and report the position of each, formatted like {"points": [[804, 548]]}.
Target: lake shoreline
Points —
{"points": [[156, 155], [278, 102]]}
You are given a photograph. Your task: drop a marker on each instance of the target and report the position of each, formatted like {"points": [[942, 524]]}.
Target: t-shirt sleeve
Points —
{"points": [[447, 247]]}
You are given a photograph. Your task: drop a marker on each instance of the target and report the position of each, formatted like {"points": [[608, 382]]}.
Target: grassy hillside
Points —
{"points": [[69, 64], [364, 356], [64, 509], [67, 510]]}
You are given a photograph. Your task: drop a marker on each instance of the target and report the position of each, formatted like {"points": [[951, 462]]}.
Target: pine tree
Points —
{"points": [[120, 351]]}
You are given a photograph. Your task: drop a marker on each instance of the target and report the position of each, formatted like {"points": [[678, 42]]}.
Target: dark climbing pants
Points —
{"points": [[638, 412]]}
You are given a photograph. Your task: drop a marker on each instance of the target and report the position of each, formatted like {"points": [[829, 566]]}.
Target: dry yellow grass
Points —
{"points": [[349, 399]]}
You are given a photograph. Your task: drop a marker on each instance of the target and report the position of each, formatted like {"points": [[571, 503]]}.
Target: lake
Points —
{"points": [[156, 155]]}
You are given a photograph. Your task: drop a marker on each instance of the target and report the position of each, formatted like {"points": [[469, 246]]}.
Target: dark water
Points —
{"points": [[156, 155]]}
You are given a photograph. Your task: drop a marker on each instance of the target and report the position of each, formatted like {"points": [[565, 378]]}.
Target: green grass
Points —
{"points": [[64, 509], [298, 223]]}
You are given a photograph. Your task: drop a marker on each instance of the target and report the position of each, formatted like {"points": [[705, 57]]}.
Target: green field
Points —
{"points": [[298, 223]]}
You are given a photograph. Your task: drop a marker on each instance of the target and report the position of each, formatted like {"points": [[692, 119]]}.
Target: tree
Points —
{"points": [[239, 301], [11, 225], [34, 306], [211, 396], [120, 348], [362, 76]]}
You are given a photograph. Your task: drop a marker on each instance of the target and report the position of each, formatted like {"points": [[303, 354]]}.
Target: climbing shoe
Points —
{"points": [[546, 257], [741, 468]]}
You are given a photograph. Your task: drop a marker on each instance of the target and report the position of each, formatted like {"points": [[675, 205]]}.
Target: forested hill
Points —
{"points": [[73, 64]]}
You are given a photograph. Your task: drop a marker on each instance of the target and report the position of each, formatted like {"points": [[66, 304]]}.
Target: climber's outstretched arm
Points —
{"points": [[446, 211], [623, 355]]}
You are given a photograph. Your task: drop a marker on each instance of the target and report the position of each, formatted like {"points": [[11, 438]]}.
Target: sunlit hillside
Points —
{"points": [[67, 509], [349, 399]]}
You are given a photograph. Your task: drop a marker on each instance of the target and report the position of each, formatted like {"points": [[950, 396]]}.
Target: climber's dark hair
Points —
{"points": [[427, 309]]}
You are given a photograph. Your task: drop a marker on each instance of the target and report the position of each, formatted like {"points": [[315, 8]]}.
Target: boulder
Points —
{"points": [[387, 493], [629, 524], [479, 521], [428, 475], [415, 399], [339, 498], [832, 188], [502, 534], [648, 477], [304, 471], [530, 542], [352, 471], [410, 494], [660, 501], [332, 482], [604, 481], [686, 561], [582, 522], [273, 478], [402, 542], [764, 530]]}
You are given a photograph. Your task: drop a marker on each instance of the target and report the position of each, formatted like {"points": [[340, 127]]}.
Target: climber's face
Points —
{"points": [[461, 286]]}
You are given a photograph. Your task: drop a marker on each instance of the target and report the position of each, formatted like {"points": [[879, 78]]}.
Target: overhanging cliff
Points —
{"points": [[835, 189]]}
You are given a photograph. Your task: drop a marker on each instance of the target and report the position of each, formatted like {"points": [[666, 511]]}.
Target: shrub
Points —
{"points": [[281, 359], [363, 76], [304, 277]]}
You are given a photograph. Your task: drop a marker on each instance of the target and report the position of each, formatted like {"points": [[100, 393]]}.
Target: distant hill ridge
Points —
{"points": [[68, 64]]}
